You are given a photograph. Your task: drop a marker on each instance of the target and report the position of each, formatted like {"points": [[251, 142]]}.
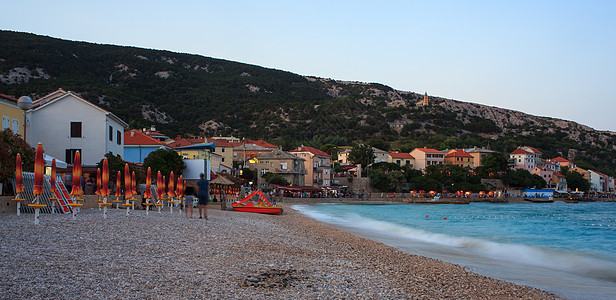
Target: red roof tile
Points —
{"points": [[560, 160], [314, 151], [261, 143], [220, 143], [429, 150], [6, 97], [401, 155], [458, 153], [520, 151], [136, 137]]}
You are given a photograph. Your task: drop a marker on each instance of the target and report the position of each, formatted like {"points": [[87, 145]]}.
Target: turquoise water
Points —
{"points": [[566, 248]]}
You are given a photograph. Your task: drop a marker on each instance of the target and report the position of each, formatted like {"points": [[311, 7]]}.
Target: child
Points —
{"points": [[189, 200]]}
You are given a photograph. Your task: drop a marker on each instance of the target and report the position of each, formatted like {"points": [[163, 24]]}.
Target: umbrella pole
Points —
{"points": [[105, 208], [18, 205], [36, 212]]}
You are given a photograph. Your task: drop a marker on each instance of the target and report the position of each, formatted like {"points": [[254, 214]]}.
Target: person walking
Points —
{"points": [[204, 197], [189, 201]]}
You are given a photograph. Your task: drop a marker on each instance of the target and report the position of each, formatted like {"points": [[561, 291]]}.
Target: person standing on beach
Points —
{"points": [[203, 193], [189, 201]]}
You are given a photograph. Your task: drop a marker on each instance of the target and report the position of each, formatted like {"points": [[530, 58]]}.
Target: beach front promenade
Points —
{"points": [[231, 255]]}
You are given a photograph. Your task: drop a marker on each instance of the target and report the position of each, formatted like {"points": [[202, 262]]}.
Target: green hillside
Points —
{"points": [[195, 95]]}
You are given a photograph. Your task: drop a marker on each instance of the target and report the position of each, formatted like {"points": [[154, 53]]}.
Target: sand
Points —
{"points": [[232, 255]]}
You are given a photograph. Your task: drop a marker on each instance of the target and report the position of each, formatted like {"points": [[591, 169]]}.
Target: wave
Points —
{"points": [[532, 256]]}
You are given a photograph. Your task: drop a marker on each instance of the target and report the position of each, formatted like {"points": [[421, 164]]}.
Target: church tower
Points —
{"points": [[425, 100]]}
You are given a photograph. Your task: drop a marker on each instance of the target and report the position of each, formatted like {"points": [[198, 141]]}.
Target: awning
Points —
{"points": [[296, 188], [209, 146], [59, 164]]}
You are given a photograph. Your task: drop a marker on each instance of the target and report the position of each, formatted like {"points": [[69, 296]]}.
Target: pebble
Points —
{"points": [[231, 256]]}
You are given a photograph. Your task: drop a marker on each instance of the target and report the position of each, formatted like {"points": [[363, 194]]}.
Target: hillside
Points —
{"points": [[195, 95]]}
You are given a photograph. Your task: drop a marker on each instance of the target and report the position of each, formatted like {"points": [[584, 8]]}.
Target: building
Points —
{"points": [[12, 115], [459, 157], [343, 155], [562, 162], [65, 123], [525, 158], [224, 149], [318, 165], [249, 149], [478, 155], [402, 159], [287, 165], [138, 145], [553, 179], [426, 157], [598, 181], [380, 155]]}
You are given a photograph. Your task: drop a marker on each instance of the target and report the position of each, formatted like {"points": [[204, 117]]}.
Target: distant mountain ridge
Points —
{"points": [[195, 95]]}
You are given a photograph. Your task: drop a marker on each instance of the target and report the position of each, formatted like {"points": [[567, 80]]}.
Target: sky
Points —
{"points": [[546, 58]]}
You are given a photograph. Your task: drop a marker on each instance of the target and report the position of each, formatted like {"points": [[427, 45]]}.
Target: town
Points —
{"points": [[66, 123]]}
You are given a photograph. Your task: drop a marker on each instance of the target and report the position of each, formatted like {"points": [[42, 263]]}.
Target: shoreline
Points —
{"points": [[232, 255]]}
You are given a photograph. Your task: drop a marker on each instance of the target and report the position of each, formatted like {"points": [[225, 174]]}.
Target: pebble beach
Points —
{"points": [[232, 255]]}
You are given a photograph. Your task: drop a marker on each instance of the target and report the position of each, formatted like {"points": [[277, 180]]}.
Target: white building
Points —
{"points": [[65, 123]]}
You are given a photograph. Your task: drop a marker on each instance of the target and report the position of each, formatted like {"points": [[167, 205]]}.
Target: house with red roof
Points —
{"points": [[249, 149], [553, 179], [138, 145], [525, 158], [318, 165], [402, 159], [12, 115], [561, 162], [459, 157], [64, 122], [598, 181], [426, 157]]}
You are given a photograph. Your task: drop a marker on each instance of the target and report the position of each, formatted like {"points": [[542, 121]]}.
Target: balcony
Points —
{"points": [[291, 171]]}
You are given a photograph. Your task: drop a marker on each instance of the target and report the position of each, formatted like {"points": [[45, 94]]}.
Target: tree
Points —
{"points": [[248, 174], [115, 163], [576, 181], [493, 165], [523, 179], [10, 145], [273, 178], [379, 144], [362, 154], [164, 161], [330, 149]]}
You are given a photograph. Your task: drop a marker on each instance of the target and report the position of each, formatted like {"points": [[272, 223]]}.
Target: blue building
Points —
{"points": [[138, 145]]}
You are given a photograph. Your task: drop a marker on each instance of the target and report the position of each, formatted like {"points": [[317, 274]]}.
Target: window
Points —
{"points": [[6, 123], [110, 133], [70, 155], [283, 165], [15, 126], [76, 129], [119, 137], [223, 159], [222, 150]]}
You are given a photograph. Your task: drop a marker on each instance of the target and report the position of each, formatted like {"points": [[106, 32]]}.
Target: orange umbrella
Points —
{"points": [[105, 181], [98, 182], [119, 185], [163, 185], [39, 168], [148, 184], [19, 177], [179, 189], [170, 190], [159, 186], [134, 184], [52, 179], [76, 191], [127, 181]]}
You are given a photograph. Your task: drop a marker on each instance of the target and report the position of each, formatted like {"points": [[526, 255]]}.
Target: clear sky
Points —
{"points": [[546, 58]]}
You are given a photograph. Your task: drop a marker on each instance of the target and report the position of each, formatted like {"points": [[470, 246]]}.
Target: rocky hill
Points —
{"points": [[195, 95]]}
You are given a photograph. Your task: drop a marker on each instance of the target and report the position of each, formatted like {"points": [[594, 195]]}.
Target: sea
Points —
{"points": [[565, 248]]}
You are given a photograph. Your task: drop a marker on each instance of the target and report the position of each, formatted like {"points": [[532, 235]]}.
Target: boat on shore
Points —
{"points": [[261, 206], [539, 199]]}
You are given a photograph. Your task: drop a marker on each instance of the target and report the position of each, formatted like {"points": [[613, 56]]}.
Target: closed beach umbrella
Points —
{"points": [[159, 186], [19, 177], [98, 182], [134, 184], [105, 180], [39, 167], [148, 184], [178, 187], [76, 191], [170, 190], [52, 179], [118, 192], [163, 186], [127, 182]]}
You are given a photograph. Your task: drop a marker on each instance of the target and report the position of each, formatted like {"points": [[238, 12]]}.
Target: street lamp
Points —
{"points": [[24, 103]]}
